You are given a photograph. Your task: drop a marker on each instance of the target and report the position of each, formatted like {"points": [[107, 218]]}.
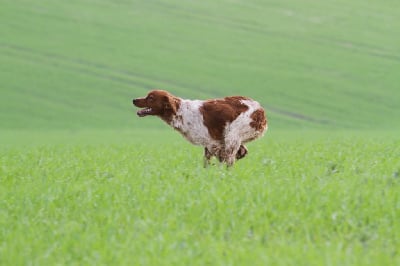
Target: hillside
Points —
{"points": [[313, 64]]}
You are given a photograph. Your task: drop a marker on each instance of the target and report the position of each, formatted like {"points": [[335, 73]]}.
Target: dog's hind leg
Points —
{"points": [[230, 151], [242, 152]]}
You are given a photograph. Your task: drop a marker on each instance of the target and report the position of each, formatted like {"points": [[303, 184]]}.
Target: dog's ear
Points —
{"points": [[169, 104]]}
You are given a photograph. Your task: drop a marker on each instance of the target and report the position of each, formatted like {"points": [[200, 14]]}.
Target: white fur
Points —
{"points": [[189, 121], [240, 131]]}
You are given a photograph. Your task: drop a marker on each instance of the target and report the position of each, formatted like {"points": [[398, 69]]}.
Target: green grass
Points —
{"points": [[77, 64], [323, 199]]}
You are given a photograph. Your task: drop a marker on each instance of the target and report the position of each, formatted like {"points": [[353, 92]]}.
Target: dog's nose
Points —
{"points": [[134, 101]]}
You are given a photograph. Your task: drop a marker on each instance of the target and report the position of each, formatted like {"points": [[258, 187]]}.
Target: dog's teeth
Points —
{"points": [[144, 112]]}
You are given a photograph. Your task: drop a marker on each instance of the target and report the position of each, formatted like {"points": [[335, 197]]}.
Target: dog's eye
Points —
{"points": [[150, 98]]}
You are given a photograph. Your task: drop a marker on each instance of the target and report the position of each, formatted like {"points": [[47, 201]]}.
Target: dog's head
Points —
{"points": [[157, 102]]}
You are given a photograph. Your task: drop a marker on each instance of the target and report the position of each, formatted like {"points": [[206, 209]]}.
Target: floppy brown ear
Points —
{"points": [[169, 104]]}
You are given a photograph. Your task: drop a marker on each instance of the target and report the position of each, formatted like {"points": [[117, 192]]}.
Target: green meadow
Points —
{"points": [[84, 181]]}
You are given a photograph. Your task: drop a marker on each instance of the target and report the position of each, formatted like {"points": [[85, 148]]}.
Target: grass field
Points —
{"points": [[325, 200], [83, 181]]}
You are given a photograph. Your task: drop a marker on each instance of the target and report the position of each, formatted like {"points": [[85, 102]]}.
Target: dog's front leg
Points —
{"points": [[207, 157]]}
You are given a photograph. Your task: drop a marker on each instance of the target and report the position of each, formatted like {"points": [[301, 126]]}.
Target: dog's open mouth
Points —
{"points": [[144, 112]]}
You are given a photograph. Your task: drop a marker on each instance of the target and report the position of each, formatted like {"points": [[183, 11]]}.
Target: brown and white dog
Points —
{"points": [[221, 126]]}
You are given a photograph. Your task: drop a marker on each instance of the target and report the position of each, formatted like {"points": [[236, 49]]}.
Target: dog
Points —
{"points": [[222, 126]]}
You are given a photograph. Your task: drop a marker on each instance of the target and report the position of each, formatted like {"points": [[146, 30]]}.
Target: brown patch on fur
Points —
{"points": [[259, 120], [216, 113], [159, 103]]}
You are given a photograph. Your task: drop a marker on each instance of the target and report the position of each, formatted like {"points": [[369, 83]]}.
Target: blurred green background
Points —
{"points": [[77, 64]]}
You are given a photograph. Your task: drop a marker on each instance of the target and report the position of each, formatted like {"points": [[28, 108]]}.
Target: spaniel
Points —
{"points": [[221, 126]]}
